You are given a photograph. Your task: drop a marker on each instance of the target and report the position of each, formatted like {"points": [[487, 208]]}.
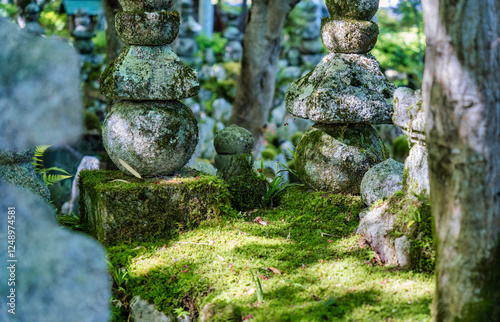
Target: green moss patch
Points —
{"points": [[115, 207], [310, 265], [413, 218]]}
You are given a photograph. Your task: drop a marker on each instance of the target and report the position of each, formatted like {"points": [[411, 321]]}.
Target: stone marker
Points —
{"points": [[345, 93], [409, 114], [148, 129], [59, 275]]}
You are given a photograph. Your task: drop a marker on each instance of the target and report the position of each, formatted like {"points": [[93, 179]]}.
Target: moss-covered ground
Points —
{"points": [[310, 264]]}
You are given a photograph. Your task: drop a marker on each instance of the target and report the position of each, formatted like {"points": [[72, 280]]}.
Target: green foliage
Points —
{"points": [[8, 10], [38, 166], [258, 287], [401, 44], [180, 312], [54, 22], [217, 42]]}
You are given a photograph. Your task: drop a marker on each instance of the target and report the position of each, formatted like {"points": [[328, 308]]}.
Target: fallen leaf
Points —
{"points": [[275, 270], [250, 292], [384, 282], [129, 168]]}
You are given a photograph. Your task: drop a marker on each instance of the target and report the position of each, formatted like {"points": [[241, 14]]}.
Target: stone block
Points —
{"points": [[349, 36], [147, 28], [115, 207]]}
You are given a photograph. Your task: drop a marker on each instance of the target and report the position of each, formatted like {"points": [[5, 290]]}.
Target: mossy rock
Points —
{"points": [[115, 207], [335, 157]]}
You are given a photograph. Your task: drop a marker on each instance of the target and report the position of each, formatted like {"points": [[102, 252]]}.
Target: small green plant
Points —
{"points": [[37, 163], [180, 312], [258, 287]]}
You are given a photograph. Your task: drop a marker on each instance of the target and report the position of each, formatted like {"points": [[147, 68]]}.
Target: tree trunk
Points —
{"points": [[261, 48], [113, 42], [462, 101]]}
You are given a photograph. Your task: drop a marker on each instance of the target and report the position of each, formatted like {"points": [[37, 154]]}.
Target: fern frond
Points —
{"points": [[53, 178], [38, 158]]}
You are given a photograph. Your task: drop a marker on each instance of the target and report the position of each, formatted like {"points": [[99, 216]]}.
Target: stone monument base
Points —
{"points": [[115, 207]]}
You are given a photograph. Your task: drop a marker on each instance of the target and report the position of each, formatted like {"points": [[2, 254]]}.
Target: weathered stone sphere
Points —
{"points": [[381, 181], [155, 138], [354, 9], [335, 157], [233, 139]]}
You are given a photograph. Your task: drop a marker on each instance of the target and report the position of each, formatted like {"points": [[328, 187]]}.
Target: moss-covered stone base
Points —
{"points": [[116, 207]]}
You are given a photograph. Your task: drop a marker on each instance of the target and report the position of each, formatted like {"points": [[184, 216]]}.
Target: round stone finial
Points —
{"points": [[354, 9], [233, 139], [155, 138]]}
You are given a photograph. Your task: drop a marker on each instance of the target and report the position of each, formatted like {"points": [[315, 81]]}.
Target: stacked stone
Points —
{"points": [[310, 46], [148, 128], [409, 114], [233, 49], [345, 93], [83, 33], [189, 29]]}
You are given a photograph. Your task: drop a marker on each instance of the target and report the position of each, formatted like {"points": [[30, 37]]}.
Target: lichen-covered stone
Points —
{"points": [[354, 9], [24, 176], [140, 209], [61, 275], [349, 36], [143, 311], [409, 113], [217, 312], [155, 138], [11, 156], [149, 73], [416, 173], [375, 227], [233, 139], [147, 28], [334, 157], [146, 5], [40, 99], [381, 181], [343, 88]]}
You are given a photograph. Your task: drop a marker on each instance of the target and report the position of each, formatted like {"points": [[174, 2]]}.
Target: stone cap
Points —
{"points": [[146, 5], [233, 139], [343, 88], [354, 9]]}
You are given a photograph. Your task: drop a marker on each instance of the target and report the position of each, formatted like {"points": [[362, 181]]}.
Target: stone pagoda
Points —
{"points": [[148, 129], [345, 93]]}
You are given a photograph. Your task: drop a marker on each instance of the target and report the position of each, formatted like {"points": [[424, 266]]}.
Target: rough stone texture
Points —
{"points": [[72, 207], [354, 9], [343, 88], [336, 157], [149, 73], [139, 209], [24, 176], [205, 167], [349, 36], [143, 311], [374, 227], [155, 138], [40, 98], [146, 5], [60, 275], [233, 139], [416, 173], [147, 28], [381, 181], [16, 156], [409, 113]]}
